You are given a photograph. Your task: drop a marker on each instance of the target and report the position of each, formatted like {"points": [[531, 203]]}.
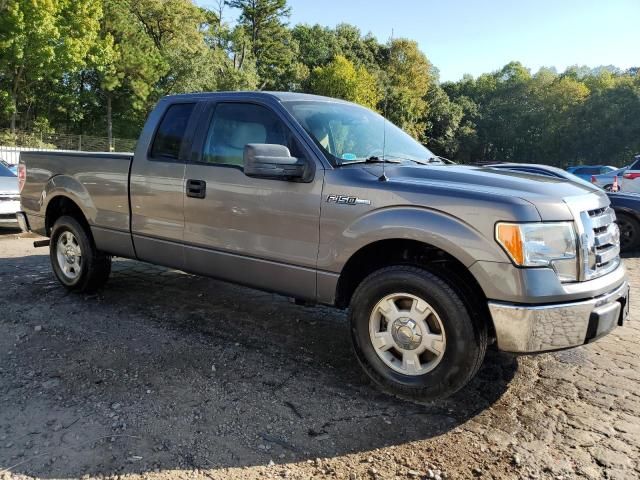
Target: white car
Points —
{"points": [[631, 178], [606, 181], [9, 197]]}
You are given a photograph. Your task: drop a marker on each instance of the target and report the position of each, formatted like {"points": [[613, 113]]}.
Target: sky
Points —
{"points": [[478, 36]]}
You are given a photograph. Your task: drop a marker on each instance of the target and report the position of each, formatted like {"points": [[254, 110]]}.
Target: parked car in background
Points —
{"points": [[631, 178], [585, 172], [12, 168], [606, 181], [626, 205], [9, 197]]}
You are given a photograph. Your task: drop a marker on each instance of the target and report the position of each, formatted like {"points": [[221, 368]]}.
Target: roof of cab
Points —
{"points": [[279, 96]]}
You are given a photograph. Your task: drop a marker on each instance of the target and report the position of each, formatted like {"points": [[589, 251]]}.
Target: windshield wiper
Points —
{"points": [[372, 159], [428, 161]]}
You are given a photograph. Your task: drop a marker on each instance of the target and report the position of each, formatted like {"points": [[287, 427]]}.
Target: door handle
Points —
{"points": [[196, 188]]}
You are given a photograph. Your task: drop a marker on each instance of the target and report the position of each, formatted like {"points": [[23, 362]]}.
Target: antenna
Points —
{"points": [[383, 177]]}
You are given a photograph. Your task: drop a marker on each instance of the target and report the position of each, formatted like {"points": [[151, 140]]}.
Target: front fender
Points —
{"points": [[450, 234]]}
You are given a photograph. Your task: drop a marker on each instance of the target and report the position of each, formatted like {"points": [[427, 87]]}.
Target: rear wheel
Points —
{"points": [[76, 262], [413, 335], [629, 232]]}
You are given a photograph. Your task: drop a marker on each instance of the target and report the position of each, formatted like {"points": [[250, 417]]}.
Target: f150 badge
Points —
{"points": [[347, 200]]}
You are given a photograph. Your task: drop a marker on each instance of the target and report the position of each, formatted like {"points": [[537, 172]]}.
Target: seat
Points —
{"points": [[230, 139]]}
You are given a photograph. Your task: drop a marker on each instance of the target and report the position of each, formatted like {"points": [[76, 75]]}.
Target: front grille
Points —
{"points": [[600, 242]]}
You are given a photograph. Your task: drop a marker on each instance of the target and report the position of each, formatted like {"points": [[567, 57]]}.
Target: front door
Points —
{"points": [[255, 231]]}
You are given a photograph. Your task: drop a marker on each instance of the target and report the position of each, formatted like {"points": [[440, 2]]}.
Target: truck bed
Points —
{"points": [[99, 182]]}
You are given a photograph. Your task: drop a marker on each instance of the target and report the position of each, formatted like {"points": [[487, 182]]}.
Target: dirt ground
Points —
{"points": [[167, 375]]}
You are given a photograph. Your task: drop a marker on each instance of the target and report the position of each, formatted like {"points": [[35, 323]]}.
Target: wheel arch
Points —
{"points": [[401, 251], [61, 205], [628, 212], [64, 195]]}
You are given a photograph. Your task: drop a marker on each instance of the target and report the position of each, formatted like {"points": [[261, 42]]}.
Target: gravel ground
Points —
{"points": [[167, 375]]}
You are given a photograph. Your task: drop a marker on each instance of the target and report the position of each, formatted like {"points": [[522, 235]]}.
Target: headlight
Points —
{"points": [[541, 245]]}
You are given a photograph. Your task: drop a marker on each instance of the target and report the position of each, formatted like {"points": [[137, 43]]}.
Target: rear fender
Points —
{"points": [[66, 186]]}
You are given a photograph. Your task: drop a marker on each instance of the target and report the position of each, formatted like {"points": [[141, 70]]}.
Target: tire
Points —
{"points": [[629, 232], [460, 340], [76, 262]]}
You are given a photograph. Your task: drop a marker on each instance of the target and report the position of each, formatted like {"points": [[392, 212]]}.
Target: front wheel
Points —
{"points": [[629, 232], [413, 335], [76, 262]]}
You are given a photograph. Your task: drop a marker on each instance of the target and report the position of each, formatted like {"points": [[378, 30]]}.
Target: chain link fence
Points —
{"points": [[11, 144]]}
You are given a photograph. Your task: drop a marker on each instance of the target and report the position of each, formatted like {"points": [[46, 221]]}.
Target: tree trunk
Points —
{"points": [[14, 113], [14, 97], [109, 123]]}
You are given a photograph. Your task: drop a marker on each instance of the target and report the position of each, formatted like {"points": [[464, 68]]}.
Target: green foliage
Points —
{"points": [[579, 116], [342, 79], [97, 67], [42, 41], [318, 45], [409, 76], [270, 41]]}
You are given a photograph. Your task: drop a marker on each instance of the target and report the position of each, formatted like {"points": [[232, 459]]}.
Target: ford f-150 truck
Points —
{"points": [[327, 202]]}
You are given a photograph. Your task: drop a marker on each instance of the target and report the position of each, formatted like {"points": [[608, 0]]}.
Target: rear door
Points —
{"points": [[157, 184], [631, 178], [255, 231]]}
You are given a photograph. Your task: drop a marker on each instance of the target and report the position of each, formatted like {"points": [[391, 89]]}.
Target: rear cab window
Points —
{"points": [[169, 136]]}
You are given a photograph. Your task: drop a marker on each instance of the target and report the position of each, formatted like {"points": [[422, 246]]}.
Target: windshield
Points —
{"points": [[348, 133], [5, 172]]}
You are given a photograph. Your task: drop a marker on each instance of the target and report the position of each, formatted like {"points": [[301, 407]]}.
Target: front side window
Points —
{"points": [[235, 125], [349, 133], [168, 140]]}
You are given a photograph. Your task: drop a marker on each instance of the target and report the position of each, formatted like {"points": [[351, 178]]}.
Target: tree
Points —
{"points": [[342, 79], [270, 41], [358, 49], [317, 45], [409, 76], [42, 41]]}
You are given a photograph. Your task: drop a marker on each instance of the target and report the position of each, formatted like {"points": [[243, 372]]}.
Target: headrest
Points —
{"points": [[245, 133]]}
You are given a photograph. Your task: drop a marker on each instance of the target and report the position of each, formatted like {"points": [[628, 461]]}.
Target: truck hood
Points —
{"points": [[546, 194]]}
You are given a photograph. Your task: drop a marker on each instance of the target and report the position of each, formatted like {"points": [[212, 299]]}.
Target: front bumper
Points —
{"points": [[540, 328], [8, 211], [8, 219]]}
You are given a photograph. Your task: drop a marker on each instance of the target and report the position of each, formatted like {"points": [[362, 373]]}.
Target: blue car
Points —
{"points": [[585, 172], [12, 168]]}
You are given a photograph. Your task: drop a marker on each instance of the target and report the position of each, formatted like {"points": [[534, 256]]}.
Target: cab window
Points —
{"points": [[235, 125], [168, 140]]}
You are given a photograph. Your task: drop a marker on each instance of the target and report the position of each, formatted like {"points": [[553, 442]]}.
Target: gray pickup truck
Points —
{"points": [[326, 202]]}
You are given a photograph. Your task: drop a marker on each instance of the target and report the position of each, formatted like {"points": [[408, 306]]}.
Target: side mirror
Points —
{"points": [[265, 160]]}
